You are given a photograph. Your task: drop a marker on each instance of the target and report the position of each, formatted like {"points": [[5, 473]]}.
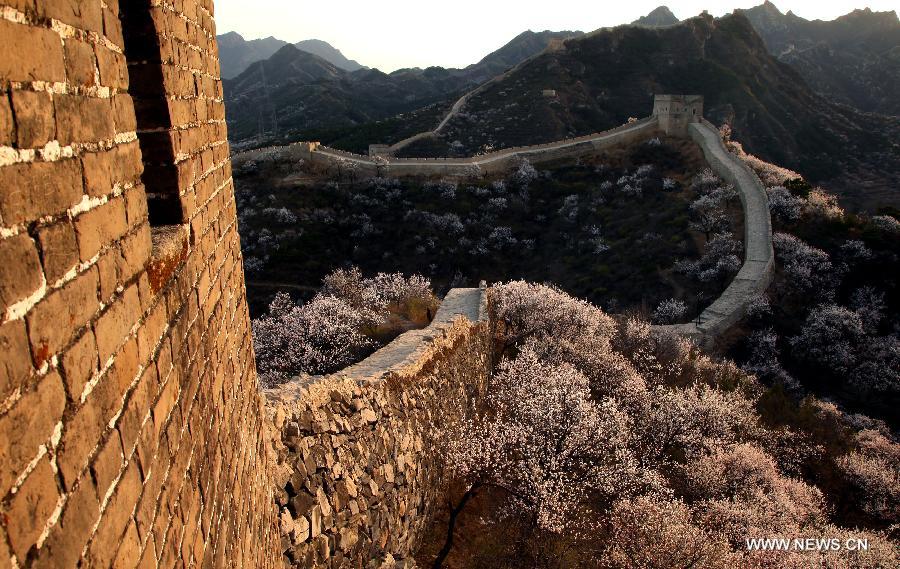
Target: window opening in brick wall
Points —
{"points": [[144, 48]]}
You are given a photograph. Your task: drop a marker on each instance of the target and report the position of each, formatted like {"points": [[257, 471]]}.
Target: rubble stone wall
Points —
{"points": [[359, 473], [132, 428]]}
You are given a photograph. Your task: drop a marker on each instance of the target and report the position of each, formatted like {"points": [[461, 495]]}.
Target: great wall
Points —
{"points": [[135, 433]]}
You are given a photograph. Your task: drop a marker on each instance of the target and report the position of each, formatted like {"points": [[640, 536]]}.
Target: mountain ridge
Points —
{"points": [[606, 77], [236, 54], [295, 90]]}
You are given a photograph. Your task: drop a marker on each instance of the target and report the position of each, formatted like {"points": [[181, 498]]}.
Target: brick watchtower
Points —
{"points": [[676, 112]]}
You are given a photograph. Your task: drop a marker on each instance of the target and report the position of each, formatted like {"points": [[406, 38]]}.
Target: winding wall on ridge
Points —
{"points": [[759, 260], [490, 163]]}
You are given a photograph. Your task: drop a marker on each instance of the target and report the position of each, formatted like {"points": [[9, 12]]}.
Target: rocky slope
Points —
{"points": [[854, 59], [610, 75]]}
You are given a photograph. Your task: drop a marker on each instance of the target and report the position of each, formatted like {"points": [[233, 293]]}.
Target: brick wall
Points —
{"points": [[131, 429]]}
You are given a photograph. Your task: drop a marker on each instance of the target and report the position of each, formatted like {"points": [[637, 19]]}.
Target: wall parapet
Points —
{"points": [[358, 474]]}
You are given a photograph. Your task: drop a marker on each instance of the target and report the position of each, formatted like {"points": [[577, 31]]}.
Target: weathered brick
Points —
{"points": [[7, 125], [34, 118], [100, 227], [112, 26], [166, 402], [59, 249], [129, 549], [109, 276], [116, 518], [53, 322], [81, 66], [123, 113], [69, 536], [20, 269], [60, 188], [83, 119], [82, 431], [114, 324], [83, 14], [80, 363], [148, 559], [30, 424], [134, 253], [5, 553], [135, 204], [151, 331], [98, 175], [31, 507], [137, 409], [107, 463], [15, 357], [113, 70], [42, 61], [107, 169], [129, 162]]}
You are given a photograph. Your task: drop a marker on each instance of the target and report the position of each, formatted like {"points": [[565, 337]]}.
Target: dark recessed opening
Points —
{"points": [[143, 53]]}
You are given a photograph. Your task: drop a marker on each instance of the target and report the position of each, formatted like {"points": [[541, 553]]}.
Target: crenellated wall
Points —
{"points": [[132, 432], [358, 475]]}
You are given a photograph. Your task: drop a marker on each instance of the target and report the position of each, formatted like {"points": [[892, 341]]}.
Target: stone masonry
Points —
{"points": [[131, 428], [359, 473]]}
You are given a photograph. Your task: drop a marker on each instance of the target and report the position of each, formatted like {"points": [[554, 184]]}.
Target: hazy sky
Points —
{"points": [[390, 34]]}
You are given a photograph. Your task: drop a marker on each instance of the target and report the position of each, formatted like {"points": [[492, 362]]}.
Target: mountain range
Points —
{"points": [[607, 76], [237, 54], [854, 59], [293, 91]]}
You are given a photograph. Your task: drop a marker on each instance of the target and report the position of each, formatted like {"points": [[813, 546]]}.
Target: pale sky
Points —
{"points": [[391, 34]]}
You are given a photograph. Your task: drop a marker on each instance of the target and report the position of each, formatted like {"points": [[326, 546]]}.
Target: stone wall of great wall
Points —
{"points": [[359, 474], [759, 259], [496, 162], [133, 432]]}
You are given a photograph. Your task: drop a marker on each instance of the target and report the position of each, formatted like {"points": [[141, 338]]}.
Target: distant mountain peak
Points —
{"points": [[660, 16]]}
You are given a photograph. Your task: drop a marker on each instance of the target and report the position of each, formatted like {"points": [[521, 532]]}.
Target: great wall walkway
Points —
{"points": [[759, 259]]}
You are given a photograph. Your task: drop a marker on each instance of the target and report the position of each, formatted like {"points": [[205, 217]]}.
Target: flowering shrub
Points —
{"points": [[524, 174], [721, 259], [886, 224], [669, 311], [336, 327], [873, 472], [785, 206], [807, 269], [829, 338], [548, 443], [320, 336], [603, 430]]}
